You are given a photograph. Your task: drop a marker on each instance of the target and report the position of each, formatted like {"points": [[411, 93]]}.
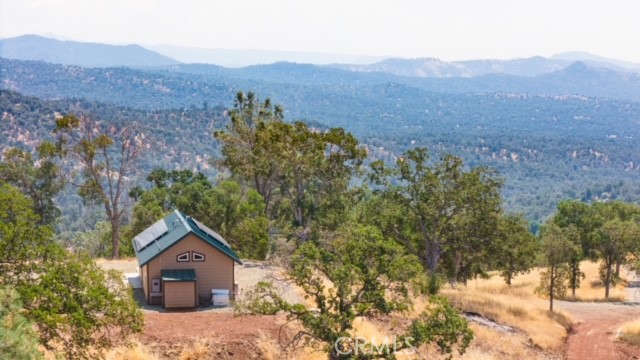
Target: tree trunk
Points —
{"points": [[551, 286], [617, 273], [574, 277], [607, 279], [115, 238], [432, 253]]}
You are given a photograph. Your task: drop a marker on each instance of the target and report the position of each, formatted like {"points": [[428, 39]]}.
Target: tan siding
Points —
{"points": [[179, 294], [216, 272], [143, 277]]}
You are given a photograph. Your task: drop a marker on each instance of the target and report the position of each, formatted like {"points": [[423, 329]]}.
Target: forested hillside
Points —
{"points": [[553, 145], [177, 139]]}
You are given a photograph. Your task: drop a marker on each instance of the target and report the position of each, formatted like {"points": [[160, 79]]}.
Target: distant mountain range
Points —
{"points": [[243, 57], [33, 47], [190, 84], [533, 66]]}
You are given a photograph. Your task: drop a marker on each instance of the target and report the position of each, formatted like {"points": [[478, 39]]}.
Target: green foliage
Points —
{"points": [[447, 215], [235, 212], [22, 238], [557, 251], [443, 325], [514, 249], [361, 273], [553, 283], [606, 231], [302, 174], [18, 339], [76, 305], [614, 241], [245, 149], [38, 178], [238, 214], [358, 274], [96, 242]]}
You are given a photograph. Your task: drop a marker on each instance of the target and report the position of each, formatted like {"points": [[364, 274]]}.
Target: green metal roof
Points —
{"points": [[178, 275], [179, 226]]}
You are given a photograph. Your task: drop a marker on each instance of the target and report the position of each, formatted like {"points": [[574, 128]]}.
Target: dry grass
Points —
{"points": [[592, 288], [270, 348], [200, 349], [489, 344], [630, 332], [126, 265], [516, 306], [135, 351]]}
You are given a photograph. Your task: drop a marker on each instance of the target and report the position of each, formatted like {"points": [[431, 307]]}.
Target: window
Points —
{"points": [[184, 257], [197, 256]]}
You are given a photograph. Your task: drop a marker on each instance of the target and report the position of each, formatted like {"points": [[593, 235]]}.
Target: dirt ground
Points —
{"points": [[225, 335], [168, 333], [595, 336], [598, 324]]}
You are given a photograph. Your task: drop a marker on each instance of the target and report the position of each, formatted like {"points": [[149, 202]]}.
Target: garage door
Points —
{"points": [[179, 294]]}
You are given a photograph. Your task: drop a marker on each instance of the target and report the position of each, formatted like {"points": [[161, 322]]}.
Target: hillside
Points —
{"points": [[33, 47], [547, 147], [571, 133], [175, 139], [185, 85]]}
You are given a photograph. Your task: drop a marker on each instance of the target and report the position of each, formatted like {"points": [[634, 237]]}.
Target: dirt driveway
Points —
{"points": [[595, 336]]}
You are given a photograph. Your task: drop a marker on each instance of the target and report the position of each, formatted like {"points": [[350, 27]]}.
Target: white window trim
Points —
{"points": [[187, 254], [194, 254]]}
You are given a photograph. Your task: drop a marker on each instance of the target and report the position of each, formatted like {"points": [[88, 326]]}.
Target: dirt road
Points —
{"points": [[594, 337]]}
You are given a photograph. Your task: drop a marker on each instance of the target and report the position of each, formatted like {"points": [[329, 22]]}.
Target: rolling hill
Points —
{"points": [[34, 47]]}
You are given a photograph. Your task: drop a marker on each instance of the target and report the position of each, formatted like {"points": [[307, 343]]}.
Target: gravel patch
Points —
{"points": [[250, 274]]}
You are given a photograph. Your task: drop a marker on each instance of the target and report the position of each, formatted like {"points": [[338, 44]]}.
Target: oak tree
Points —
{"points": [[106, 155]]}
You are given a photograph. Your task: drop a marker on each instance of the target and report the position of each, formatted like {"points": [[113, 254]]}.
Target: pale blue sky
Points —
{"points": [[450, 30]]}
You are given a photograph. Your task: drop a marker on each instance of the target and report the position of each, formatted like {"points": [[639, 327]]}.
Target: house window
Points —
{"points": [[197, 256], [184, 257]]}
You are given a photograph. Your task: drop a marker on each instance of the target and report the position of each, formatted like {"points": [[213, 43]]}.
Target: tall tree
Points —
{"points": [[316, 168], [107, 155], [557, 251], [245, 147], [449, 211], [514, 248], [576, 217], [614, 241], [302, 173]]}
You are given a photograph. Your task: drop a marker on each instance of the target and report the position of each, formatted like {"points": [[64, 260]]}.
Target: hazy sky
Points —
{"points": [[450, 30]]}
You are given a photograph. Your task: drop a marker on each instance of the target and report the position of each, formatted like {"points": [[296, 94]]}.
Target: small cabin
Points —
{"points": [[183, 262]]}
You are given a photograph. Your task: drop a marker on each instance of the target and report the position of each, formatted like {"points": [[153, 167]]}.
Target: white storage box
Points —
{"points": [[220, 297]]}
